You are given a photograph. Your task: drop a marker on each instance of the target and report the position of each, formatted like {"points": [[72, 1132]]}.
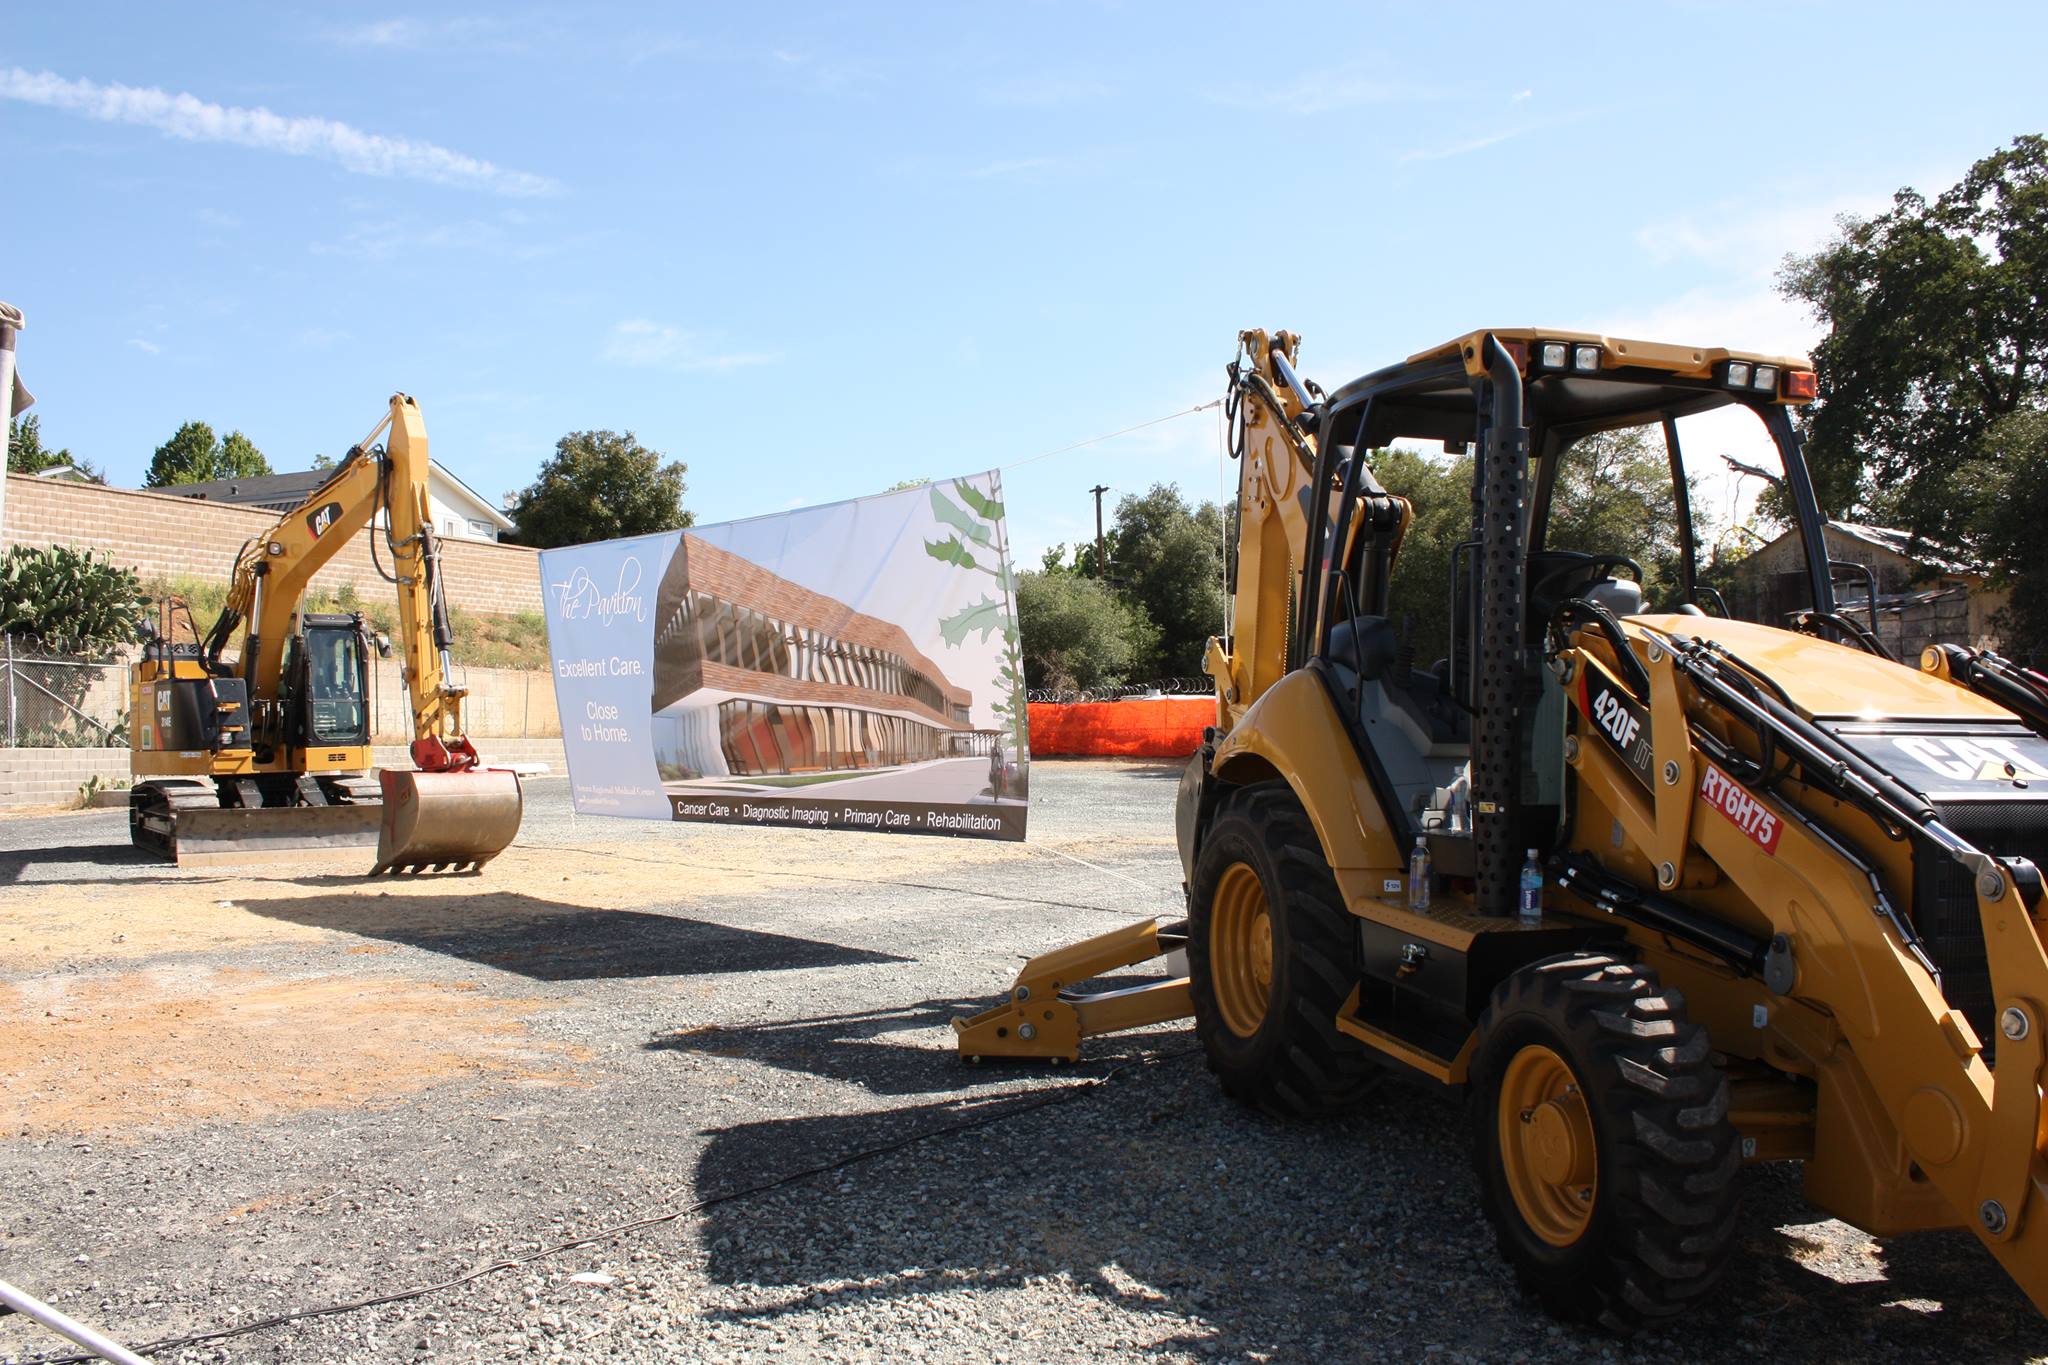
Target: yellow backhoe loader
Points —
{"points": [[268, 753], [1785, 897]]}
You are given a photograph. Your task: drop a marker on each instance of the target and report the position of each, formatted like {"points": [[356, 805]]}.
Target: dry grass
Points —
{"points": [[482, 639]]}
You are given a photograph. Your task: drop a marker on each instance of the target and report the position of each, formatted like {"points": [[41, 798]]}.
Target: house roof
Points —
{"points": [[490, 509], [1892, 540], [1904, 543], [283, 492], [260, 490]]}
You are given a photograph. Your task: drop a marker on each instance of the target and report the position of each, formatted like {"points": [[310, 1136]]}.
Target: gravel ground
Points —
{"points": [[234, 1094]]}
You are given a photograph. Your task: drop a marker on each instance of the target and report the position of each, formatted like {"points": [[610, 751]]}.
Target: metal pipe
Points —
{"points": [[1301, 394], [31, 1307], [10, 323], [1739, 948], [1806, 509], [1688, 565], [1501, 474]]}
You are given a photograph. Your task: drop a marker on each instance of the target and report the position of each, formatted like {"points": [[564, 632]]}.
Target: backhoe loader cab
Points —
{"points": [[1790, 882]]}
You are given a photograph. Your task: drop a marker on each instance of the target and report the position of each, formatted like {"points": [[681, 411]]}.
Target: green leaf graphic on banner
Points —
{"points": [[957, 519], [986, 616], [986, 507], [951, 551]]}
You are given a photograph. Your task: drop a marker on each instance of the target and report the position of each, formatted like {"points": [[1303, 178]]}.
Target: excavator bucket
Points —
{"points": [[446, 822]]}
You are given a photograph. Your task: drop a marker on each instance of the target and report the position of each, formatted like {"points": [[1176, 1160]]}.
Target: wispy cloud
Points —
{"points": [[455, 31], [508, 238], [1468, 145], [1754, 233], [407, 34], [195, 120], [1078, 162], [1012, 166], [1480, 143], [320, 338], [1324, 92], [828, 73], [146, 347], [646, 345], [1046, 92]]}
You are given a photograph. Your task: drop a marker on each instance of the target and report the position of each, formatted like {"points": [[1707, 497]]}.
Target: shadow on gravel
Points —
{"points": [[1927, 1296], [1247, 1238], [852, 1047], [549, 941], [857, 1047], [13, 865]]}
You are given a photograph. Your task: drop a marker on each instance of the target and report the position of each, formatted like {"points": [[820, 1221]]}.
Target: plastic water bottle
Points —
{"points": [[1418, 875], [1530, 910]]}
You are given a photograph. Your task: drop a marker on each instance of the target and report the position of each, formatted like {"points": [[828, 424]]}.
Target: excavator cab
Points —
{"points": [[328, 682]]}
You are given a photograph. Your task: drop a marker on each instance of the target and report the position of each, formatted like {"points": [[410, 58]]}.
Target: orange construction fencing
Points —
{"points": [[1156, 727]]}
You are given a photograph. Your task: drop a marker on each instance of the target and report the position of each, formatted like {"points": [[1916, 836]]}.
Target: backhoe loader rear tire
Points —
{"points": [[1270, 960], [1600, 1130]]}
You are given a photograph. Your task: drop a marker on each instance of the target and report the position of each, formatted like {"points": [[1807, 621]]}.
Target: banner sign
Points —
{"points": [[852, 666]]}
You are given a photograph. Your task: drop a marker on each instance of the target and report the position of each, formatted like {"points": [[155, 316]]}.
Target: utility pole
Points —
{"points": [[1101, 564], [13, 397]]}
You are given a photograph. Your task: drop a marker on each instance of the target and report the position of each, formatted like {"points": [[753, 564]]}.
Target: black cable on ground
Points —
{"points": [[1066, 1094], [867, 881]]}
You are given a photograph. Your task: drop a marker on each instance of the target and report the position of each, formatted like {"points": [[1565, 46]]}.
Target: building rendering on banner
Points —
{"points": [[755, 676]]}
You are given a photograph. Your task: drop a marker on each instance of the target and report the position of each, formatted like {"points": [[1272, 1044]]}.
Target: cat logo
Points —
{"points": [[320, 518], [1975, 758]]}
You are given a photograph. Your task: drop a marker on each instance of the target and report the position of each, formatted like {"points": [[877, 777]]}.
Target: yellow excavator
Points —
{"points": [[268, 754], [1663, 888]]}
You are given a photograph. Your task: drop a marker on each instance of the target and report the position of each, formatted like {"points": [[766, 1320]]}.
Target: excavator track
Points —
{"points": [[183, 820], [155, 811]]}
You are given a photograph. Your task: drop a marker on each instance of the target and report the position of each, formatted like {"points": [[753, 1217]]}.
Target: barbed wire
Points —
{"points": [[1163, 687]]}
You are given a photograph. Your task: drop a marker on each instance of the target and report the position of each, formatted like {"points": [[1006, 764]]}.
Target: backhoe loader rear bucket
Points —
{"points": [[446, 821]]}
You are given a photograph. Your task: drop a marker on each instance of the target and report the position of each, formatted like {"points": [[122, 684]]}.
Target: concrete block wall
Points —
{"points": [[52, 777], [502, 703], [160, 536]]}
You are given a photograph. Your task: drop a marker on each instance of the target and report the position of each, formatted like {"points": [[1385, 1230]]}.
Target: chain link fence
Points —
{"points": [[1163, 687], [57, 702]]}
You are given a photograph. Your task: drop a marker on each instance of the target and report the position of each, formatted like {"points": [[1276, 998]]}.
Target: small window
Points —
{"points": [[483, 529]]}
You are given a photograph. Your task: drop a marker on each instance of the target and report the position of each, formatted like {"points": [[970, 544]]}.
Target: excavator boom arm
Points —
{"points": [[274, 570]]}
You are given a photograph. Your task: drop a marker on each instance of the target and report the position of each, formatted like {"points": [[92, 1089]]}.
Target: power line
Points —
{"points": [[1110, 435]]}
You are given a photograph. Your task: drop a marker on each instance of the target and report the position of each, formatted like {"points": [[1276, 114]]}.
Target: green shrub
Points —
{"points": [[69, 601]]}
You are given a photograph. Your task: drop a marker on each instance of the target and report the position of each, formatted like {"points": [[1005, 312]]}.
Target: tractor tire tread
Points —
{"points": [[1666, 1209], [1308, 1069]]}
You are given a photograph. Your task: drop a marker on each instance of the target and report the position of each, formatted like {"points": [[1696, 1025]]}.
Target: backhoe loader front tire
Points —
{"points": [[1270, 960], [1600, 1130]]}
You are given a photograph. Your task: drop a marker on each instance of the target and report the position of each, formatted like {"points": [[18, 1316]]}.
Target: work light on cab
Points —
{"points": [[1563, 355]]}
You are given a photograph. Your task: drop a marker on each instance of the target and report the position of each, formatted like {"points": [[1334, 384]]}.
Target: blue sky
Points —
{"points": [[812, 250]]}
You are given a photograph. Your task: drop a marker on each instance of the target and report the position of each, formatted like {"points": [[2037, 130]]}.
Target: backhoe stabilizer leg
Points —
{"points": [[1045, 1017]]}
